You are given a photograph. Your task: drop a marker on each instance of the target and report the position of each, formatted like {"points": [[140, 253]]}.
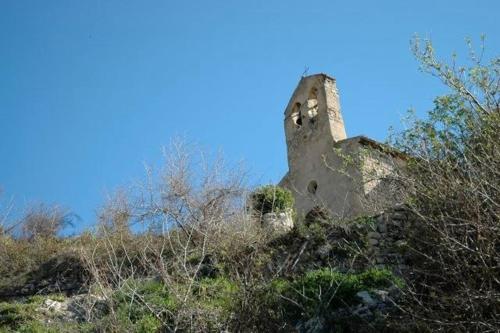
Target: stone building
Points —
{"points": [[327, 171]]}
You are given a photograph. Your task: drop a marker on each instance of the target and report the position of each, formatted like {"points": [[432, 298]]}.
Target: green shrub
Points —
{"points": [[55, 327], [24, 316], [316, 232], [271, 198], [216, 293], [13, 315], [323, 291], [451, 182], [278, 305], [364, 220], [258, 308], [35, 327], [148, 324], [134, 304], [151, 292]]}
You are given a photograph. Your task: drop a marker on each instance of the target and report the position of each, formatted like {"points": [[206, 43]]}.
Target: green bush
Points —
{"points": [[216, 293], [148, 324], [137, 301], [364, 220], [322, 291], [13, 315], [213, 304], [152, 292], [24, 316], [452, 187], [35, 327], [134, 304], [271, 198]]}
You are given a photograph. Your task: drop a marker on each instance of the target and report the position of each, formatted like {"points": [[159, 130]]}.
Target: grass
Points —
{"points": [[322, 291]]}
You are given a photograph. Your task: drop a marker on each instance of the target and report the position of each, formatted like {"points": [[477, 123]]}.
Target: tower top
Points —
{"points": [[314, 110], [316, 79]]}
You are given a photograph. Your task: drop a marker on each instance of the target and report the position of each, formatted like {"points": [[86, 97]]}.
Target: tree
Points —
{"points": [[45, 221], [454, 193], [115, 215]]}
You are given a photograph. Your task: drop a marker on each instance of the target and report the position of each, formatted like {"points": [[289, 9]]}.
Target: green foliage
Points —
{"points": [[322, 291], [136, 299], [138, 302], [35, 327], [133, 308], [148, 324], [25, 316], [316, 232], [271, 198], [467, 114], [216, 293], [364, 220], [452, 187], [13, 315]]}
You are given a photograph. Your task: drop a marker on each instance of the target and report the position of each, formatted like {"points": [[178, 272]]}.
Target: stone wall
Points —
{"points": [[279, 222], [386, 244]]}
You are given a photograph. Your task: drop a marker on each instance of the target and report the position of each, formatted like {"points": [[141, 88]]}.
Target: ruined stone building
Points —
{"points": [[327, 171]]}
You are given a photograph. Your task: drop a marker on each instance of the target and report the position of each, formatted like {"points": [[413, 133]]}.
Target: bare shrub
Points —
{"points": [[194, 231], [45, 221], [6, 226], [453, 182], [115, 216]]}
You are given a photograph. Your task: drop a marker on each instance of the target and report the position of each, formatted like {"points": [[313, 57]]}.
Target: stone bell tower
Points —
{"points": [[327, 171], [313, 125], [312, 118]]}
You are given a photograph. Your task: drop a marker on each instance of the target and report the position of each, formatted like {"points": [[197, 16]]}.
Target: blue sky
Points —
{"points": [[91, 90]]}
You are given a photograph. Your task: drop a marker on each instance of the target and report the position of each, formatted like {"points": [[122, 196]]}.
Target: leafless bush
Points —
{"points": [[191, 217], [115, 216], [44, 221], [6, 227]]}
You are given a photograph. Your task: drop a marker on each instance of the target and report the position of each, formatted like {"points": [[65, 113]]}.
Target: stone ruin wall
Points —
{"points": [[386, 244]]}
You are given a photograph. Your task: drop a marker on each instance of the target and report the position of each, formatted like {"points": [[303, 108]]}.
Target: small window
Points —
{"points": [[312, 106], [312, 187], [296, 115]]}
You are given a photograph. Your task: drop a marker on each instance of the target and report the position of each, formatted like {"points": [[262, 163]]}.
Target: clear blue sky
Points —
{"points": [[90, 90]]}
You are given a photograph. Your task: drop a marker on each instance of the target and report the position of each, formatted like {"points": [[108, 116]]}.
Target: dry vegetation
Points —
{"points": [[185, 251], [455, 197]]}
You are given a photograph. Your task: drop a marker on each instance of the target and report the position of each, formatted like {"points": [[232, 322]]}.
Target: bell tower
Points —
{"points": [[318, 176], [313, 120]]}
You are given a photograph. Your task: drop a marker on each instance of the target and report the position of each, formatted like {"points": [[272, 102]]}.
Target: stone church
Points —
{"points": [[327, 171]]}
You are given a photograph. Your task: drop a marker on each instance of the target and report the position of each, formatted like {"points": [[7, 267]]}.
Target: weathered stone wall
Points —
{"points": [[386, 239], [278, 222]]}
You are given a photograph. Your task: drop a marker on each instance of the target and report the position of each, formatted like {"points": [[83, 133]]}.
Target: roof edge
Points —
{"points": [[366, 141]]}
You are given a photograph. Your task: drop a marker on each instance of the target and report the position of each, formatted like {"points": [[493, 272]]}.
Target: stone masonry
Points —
{"points": [[327, 170]]}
